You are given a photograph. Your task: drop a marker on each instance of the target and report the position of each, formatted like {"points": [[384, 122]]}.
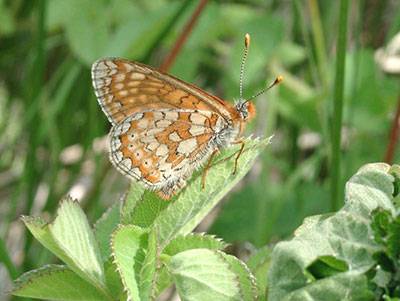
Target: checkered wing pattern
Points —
{"points": [[162, 148], [163, 128]]}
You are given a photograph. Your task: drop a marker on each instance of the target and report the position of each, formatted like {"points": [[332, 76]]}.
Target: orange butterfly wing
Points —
{"points": [[163, 128], [123, 88]]}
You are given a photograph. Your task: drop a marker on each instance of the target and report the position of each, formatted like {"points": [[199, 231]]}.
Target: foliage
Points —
{"points": [[149, 251], [349, 255]]}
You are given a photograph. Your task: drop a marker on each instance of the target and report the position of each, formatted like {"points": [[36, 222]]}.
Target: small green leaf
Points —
{"points": [[395, 171], [380, 224], [128, 245], [326, 266], [202, 274], [258, 264], [55, 282], [246, 280], [194, 241], [148, 270], [70, 238], [104, 227], [72, 233], [141, 206], [113, 279], [393, 239], [183, 243]]}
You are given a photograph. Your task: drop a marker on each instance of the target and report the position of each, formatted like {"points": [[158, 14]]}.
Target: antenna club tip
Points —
{"points": [[279, 79], [247, 40]]}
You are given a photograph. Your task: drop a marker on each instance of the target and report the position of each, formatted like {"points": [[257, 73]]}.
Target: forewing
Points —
{"points": [[160, 148], [124, 88]]}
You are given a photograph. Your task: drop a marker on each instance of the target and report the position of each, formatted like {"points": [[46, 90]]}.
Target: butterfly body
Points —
{"points": [[163, 128]]}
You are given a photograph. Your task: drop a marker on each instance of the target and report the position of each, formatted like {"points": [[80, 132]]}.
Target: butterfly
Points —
{"points": [[163, 128]]}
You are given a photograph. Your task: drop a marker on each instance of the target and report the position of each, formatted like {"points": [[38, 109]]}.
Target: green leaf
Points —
{"points": [[194, 241], [148, 270], [258, 264], [104, 227], [346, 286], [246, 280], [129, 244], [393, 244], [72, 233], [70, 238], [183, 243], [55, 282], [183, 213], [202, 274], [141, 206], [344, 238], [113, 279], [193, 203], [326, 266], [380, 224]]}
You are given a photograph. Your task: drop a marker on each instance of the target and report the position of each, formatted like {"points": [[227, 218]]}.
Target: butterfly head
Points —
{"points": [[246, 110]]}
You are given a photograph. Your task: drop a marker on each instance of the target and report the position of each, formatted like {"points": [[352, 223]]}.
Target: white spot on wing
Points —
{"points": [[197, 118], [119, 77], [174, 137], [187, 146], [196, 130], [137, 76], [162, 150], [119, 86], [171, 115], [143, 123], [122, 93], [127, 163], [163, 123], [122, 128]]}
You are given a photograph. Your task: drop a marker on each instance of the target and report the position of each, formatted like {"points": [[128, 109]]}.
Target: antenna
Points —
{"points": [[277, 80], [246, 51]]}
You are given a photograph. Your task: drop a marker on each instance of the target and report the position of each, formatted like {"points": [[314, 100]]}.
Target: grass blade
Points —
{"points": [[338, 105]]}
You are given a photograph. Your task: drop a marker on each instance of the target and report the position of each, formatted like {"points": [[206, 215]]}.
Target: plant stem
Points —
{"points": [[165, 31], [394, 135], [338, 105], [168, 61], [319, 42], [36, 77], [5, 258]]}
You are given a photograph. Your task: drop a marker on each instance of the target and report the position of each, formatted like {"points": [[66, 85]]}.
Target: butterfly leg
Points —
{"points": [[206, 168], [238, 155], [170, 190]]}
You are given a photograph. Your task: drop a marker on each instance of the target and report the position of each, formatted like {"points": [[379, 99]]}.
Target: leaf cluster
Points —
{"points": [[143, 245]]}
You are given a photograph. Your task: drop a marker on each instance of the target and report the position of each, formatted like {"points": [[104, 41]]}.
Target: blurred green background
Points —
{"points": [[52, 131]]}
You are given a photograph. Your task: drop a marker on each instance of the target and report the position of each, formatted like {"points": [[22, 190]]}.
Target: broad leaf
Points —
{"points": [[202, 274], [55, 282], [330, 254]]}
